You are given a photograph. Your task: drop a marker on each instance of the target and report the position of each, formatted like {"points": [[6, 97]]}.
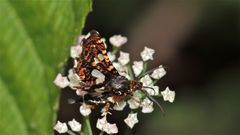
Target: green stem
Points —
{"points": [[101, 133], [115, 49], [130, 72], [71, 132], [87, 130], [145, 65]]}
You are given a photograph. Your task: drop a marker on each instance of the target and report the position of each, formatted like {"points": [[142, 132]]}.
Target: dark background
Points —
{"points": [[198, 42]]}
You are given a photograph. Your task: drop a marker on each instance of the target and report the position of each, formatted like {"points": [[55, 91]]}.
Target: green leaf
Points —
{"points": [[35, 42]]}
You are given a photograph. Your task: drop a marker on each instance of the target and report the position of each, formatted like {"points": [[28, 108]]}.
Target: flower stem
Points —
{"points": [[115, 49], [130, 72], [71, 132], [101, 133], [87, 130]]}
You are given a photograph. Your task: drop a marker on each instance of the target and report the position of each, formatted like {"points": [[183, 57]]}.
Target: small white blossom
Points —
{"points": [[147, 106], [80, 92], [158, 73], [137, 67], [104, 42], [119, 106], [168, 95], [111, 129], [61, 127], [61, 81], [111, 56], [120, 68], [146, 80], [147, 54], [154, 91], [85, 109], [125, 75], [133, 104], [80, 38], [76, 51], [75, 126], [131, 120], [118, 40], [74, 79], [124, 58], [103, 125]]}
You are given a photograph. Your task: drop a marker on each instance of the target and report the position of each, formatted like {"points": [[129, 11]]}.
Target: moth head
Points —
{"points": [[119, 83]]}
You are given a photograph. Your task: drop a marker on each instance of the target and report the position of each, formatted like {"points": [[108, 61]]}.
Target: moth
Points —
{"points": [[94, 58]]}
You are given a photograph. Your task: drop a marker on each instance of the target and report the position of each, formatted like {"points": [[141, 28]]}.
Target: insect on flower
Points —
{"points": [[94, 60]]}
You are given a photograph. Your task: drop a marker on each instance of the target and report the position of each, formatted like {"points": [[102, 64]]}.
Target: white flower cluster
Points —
{"points": [[62, 127], [122, 64]]}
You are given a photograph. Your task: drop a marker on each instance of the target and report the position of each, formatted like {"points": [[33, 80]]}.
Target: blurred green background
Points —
{"points": [[196, 40]]}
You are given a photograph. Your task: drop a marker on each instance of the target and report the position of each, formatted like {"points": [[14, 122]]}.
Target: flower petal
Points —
{"points": [[61, 127], [168, 95], [61, 81], [133, 104], [137, 67], [131, 120], [103, 125], [111, 56], [158, 73], [147, 106], [75, 51], [74, 125], [124, 58], [111, 129], [118, 40], [119, 106], [85, 109], [146, 80], [147, 54]]}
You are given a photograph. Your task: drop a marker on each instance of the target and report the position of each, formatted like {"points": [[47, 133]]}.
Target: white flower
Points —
{"points": [[131, 120], [118, 40], [74, 79], [168, 95], [80, 38], [124, 58], [119, 67], [103, 125], [74, 125], [137, 67], [75, 51], [147, 54], [104, 42], [111, 129], [119, 106], [154, 91], [147, 106], [85, 109], [133, 104], [61, 127], [125, 75], [100, 77], [158, 73], [146, 80], [61, 81], [111, 56]]}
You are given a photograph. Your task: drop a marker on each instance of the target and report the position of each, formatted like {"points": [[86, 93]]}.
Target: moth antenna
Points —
{"points": [[149, 88], [153, 100], [148, 72]]}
